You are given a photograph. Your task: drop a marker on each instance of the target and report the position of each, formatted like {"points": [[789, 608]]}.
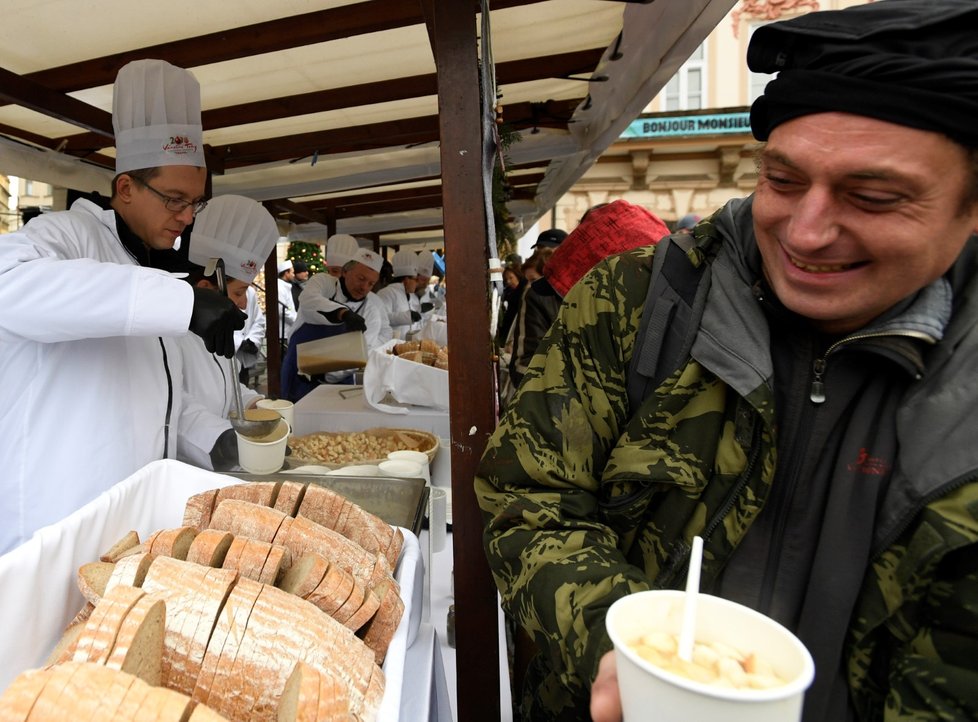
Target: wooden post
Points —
{"points": [[273, 328], [455, 43]]}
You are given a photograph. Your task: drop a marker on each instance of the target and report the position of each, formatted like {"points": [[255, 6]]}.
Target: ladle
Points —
{"points": [[255, 427]]}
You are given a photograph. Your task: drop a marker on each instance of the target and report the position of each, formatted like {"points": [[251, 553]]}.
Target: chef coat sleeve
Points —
{"points": [[48, 297], [316, 299]]}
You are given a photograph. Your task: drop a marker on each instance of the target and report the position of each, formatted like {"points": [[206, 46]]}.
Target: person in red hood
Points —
{"points": [[604, 231]]}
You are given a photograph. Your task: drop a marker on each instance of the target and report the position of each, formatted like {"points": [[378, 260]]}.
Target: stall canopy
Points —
{"points": [[327, 110]]}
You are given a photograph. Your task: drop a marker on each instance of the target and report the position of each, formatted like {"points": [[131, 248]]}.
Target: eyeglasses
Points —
{"points": [[174, 205]]}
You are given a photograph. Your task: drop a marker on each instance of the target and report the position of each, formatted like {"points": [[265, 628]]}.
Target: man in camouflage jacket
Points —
{"points": [[854, 254]]}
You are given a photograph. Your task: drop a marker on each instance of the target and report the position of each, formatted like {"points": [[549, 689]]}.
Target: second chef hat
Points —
{"points": [[237, 229]]}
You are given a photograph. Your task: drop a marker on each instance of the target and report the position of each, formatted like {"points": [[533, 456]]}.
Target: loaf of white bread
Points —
{"points": [[259, 608]]}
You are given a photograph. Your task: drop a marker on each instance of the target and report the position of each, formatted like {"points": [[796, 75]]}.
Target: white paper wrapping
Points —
{"points": [[38, 578], [436, 329], [388, 379]]}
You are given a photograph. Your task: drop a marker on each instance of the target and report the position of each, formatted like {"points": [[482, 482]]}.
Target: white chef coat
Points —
{"points": [[437, 301], [254, 329], [324, 293], [208, 380], [286, 307], [91, 374], [399, 304]]}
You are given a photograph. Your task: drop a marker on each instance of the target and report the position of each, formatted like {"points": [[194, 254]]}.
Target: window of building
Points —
{"points": [[686, 90]]}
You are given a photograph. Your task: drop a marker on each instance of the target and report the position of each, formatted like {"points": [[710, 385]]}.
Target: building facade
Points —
{"points": [[692, 150]]}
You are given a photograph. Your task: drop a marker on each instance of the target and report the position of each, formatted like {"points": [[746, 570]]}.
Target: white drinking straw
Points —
{"points": [[688, 631]]}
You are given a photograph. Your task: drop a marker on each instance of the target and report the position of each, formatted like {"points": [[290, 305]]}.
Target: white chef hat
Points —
{"points": [[340, 249], [426, 263], [156, 117], [369, 259], [237, 229], [284, 266], [405, 263]]}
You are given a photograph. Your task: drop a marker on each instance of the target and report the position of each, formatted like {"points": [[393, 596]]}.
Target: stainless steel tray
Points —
{"points": [[399, 502]]}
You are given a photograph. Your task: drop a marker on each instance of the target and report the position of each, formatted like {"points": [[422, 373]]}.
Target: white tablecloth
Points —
{"points": [[336, 407], [40, 595]]}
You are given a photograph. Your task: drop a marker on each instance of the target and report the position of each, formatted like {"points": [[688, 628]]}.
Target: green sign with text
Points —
{"points": [[675, 125]]}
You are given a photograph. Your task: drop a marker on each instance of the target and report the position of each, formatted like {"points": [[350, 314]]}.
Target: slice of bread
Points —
{"points": [[172, 542], [18, 699], [245, 519], [215, 686], [290, 496], [366, 612], [138, 647], [198, 509], [130, 570], [210, 547], [194, 597], [127, 542], [99, 634], [262, 493], [305, 574]]}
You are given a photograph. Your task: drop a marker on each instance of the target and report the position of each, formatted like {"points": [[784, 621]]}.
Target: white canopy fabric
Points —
{"points": [[327, 106]]}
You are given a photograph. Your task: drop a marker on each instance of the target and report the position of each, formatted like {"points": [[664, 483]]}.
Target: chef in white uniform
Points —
{"points": [[340, 248], [286, 304], [403, 306], [432, 300], [329, 306], [248, 341], [92, 374], [241, 232]]}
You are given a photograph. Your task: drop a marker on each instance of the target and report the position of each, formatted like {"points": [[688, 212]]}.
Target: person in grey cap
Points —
{"points": [[91, 370], [796, 382]]}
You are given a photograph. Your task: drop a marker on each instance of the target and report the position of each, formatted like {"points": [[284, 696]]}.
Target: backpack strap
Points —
{"points": [[670, 318]]}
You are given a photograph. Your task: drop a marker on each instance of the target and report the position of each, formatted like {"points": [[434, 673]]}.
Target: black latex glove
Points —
{"points": [[425, 307], [224, 455], [215, 319], [415, 316], [248, 346], [354, 321]]}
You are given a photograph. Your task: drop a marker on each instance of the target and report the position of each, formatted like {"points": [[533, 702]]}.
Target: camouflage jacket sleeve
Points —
{"points": [[916, 629], [557, 566]]}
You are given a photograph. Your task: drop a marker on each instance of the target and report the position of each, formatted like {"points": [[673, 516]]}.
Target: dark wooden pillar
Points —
{"points": [[273, 328], [454, 39]]}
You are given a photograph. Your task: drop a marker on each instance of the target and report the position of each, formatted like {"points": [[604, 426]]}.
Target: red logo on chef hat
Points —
{"points": [[250, 267], [179, 145]]}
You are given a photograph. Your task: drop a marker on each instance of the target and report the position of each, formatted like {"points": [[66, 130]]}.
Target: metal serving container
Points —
{"points": [[398, 501]]}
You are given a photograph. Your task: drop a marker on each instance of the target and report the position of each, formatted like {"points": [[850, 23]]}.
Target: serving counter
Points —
{"points": [[338, 407], [41, 596]]}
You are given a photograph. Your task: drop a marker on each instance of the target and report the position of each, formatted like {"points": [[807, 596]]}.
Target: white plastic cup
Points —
{"points": [[264, 454], [283, 407], [648, 691], [437, 509]]}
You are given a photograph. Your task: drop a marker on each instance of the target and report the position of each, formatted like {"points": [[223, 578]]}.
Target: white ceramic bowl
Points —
{"points": [[645, 687], [418, 457], [357, 470], [401, 468], [265, 454]]}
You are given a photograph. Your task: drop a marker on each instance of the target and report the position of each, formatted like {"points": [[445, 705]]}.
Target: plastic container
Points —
{"points": [[646, 688], [283, 407], [264, 454], [334, 353]]}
